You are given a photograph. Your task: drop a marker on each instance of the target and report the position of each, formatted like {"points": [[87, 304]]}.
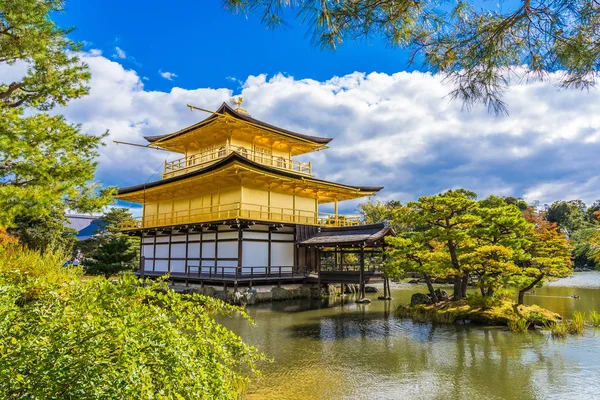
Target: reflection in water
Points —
{"points": [[336, 349]]}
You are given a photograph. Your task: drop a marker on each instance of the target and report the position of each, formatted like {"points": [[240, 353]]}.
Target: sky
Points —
{"points": [[392, 124]]}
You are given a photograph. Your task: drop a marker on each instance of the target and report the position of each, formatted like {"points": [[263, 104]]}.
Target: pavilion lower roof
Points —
{"points": [[235, 169]]}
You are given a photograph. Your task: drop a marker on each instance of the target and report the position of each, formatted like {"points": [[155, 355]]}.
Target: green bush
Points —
{"points": [[536, 318], [97, 339], [485, 302]]}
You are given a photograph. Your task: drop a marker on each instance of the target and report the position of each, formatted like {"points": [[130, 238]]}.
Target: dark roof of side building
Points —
{"points": [[229, 159], [85, 225], [225, 109], [330, 236]]}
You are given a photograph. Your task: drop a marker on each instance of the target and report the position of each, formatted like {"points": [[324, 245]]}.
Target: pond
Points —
{"points": [[338, 349]]}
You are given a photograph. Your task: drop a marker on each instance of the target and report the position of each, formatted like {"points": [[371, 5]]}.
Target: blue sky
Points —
{"points": [[206, 46], [392, 126]]}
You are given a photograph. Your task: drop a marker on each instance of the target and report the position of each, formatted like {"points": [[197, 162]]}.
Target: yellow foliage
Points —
{"points": [[32, 271], [5, 238]]}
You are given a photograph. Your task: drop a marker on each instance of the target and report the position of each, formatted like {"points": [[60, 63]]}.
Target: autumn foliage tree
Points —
{"points": [[548, 255]]}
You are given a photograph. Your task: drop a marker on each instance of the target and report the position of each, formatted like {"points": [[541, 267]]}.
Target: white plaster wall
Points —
{"points": [[282, 255], [255, 254]]}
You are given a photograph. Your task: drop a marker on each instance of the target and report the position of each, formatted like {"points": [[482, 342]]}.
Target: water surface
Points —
{"points": [[338, 349]]}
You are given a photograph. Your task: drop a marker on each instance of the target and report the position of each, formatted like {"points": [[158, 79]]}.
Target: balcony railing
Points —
{"points": [[242, 211], [204, 159]]}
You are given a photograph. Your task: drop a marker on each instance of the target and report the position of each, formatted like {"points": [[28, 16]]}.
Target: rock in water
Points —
{"points": [[442, 295], [371, 289], [250, 295], [239, 298], [420, 298]]}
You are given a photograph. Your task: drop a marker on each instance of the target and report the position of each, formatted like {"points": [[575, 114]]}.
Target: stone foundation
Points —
{"points": [[257, 294]]}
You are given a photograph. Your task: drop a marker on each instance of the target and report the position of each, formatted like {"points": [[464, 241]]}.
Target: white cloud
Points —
{"points": [[399, 131], [119, 53], [167, 75]]}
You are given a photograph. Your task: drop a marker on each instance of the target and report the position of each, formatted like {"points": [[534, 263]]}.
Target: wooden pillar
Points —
{"points": [[318, 262], [269, 252], [387, 293], [335, 258], [240, 249], [362, 272], [143, 269]]}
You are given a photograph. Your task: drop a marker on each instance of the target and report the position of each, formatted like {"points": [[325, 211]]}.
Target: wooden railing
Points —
{"points": [[245, 273], [240, 210], [204, 159]]}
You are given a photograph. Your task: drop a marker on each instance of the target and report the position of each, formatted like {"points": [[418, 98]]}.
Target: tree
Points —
{"points": [[379, 211], [499, 242], [479, 49], [54, 73], [110, 251], [548, 256], [113, 255], [584, 247], [45, 233], [46, 164], [568, 215], [446, 218], [415, 253]]}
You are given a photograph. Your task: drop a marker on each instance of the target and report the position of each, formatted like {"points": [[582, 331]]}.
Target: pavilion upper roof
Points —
{"points": [[225, 112]]}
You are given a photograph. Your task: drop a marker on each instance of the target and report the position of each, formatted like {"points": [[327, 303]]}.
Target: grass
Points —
{"points": [[573, 326], [577, 323], [519, 325], [594, 318], [558, 329]]}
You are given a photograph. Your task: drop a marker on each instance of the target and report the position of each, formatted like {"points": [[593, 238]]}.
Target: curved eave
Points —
{"points": [[350, 235], [225, 109], [235, 157]]}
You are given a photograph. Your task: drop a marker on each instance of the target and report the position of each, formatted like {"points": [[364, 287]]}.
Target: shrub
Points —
{"points": [[487, 302], [34, 273], [98, 339]]}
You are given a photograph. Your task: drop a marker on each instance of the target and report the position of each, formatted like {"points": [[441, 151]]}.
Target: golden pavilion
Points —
{"points": [[237, 206]]}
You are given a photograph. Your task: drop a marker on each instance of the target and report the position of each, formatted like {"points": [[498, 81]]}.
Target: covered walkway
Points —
{"points": [[350, 255]]}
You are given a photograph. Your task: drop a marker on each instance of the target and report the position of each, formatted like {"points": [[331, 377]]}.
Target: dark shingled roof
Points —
{"points": [[225, 109], [243, 160], [330, 236]]}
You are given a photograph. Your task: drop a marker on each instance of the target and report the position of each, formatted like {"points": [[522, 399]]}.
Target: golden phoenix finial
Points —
{"points": [[238, 102]]}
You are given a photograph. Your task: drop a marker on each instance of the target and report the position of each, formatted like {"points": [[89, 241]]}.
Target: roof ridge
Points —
{"points": [[244, 117]]}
